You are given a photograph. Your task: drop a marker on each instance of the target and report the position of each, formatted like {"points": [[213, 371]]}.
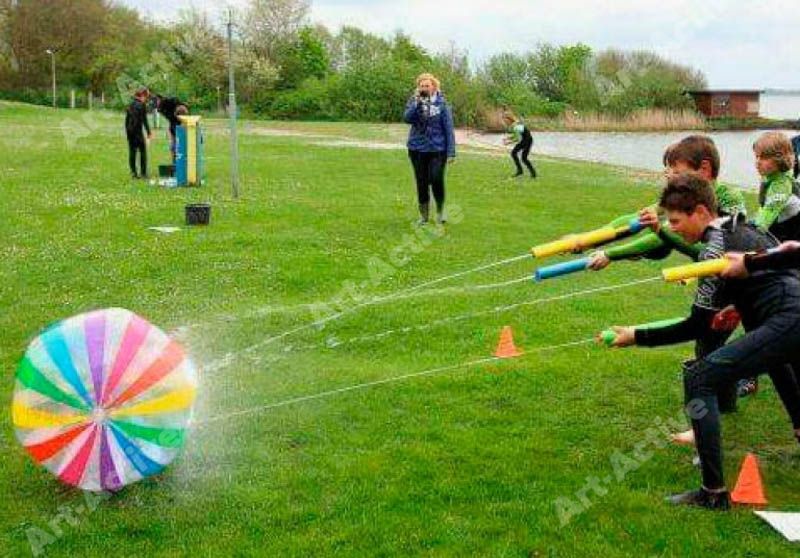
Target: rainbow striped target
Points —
{"points": [[103, 399]]}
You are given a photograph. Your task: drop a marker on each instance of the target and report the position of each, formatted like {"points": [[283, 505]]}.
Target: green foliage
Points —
{"points": [[304, 57], [288, 69], [310, 101], [620, 82]]}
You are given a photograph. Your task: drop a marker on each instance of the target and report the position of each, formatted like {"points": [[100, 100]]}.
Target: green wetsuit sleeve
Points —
{"points": [[677, 242], [778, 194], [622, 220], [646, 242]]}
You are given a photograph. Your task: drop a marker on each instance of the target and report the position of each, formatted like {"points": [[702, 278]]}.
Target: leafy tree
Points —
{"points": [[305, 57]]}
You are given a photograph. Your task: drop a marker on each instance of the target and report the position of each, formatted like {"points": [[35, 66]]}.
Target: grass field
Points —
{"points": [[465, 461]]}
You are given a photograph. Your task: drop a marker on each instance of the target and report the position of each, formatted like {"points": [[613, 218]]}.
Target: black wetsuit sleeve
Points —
{"points": [[143, 113], [777, 260], [691, 328]]}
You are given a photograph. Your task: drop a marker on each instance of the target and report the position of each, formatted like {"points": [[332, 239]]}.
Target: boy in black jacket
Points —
{"points": [[135, 126], [769, 303], [171, 108]]}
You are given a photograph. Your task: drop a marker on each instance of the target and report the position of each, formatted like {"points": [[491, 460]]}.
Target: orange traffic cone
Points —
{"points": [[749, 489], [505, 346]]}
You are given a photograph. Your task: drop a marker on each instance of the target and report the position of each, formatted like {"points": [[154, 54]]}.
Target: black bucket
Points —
{"points": [[166, 171], [198, 213]]}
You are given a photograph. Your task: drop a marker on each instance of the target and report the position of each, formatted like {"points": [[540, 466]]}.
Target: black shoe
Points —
{"points": [[134, 176], [702, 498], [748, 386]]}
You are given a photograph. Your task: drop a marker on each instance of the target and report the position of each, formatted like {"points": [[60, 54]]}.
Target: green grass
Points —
{"points": [[464, 462]]}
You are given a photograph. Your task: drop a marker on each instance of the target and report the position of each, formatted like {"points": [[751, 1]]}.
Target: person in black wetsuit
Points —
{"points": [[135, 127], [769, 303], [520, 135], [171, 108], [785, 256]]}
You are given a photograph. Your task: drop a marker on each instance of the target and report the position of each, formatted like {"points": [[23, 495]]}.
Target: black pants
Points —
{"points": [[429, 174], [727, 395], [137, 144], [769, 346], [524, 148]]}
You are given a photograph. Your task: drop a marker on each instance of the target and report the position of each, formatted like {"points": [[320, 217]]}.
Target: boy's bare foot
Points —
{"points": [[684, 438]]}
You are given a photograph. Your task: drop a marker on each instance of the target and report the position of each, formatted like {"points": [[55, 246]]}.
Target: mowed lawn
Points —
{"points": [[462, 461]]}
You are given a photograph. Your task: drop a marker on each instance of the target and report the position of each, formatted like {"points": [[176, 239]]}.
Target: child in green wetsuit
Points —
{"points": [[777, 196], [692, 154], [519, 134]]}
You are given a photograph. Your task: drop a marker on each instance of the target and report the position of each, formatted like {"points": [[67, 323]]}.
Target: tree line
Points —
{"points": [[288, 68]]}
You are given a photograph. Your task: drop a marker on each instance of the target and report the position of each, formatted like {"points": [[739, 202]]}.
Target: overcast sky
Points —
{"points": [[736, 44]]}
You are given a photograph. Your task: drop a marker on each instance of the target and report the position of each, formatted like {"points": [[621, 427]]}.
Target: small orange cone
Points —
{"points": [[505, 346], [749, 489]]}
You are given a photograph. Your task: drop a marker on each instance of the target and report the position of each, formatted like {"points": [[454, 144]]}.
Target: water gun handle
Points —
{"points": [[607, 337]]}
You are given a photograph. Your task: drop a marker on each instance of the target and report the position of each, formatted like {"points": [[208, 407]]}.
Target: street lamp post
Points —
{"points": [[52, 54], [232, 110]]}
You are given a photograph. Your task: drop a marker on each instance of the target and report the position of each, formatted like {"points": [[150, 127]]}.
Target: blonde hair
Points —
{"points": [[430, 77], [510, 117], [775, 146]]}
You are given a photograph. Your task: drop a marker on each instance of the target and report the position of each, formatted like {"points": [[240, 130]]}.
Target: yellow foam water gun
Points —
{"points": [[695, 270], [597, 237]]}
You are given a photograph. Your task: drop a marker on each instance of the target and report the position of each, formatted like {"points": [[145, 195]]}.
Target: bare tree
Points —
{"points": [[268, 23]]}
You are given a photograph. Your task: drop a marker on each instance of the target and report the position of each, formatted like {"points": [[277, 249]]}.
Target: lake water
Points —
{"points": [[645, 150], [780, 105]]}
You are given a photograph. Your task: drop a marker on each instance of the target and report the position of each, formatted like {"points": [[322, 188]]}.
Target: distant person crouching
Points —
{"points": [[520, 135]]}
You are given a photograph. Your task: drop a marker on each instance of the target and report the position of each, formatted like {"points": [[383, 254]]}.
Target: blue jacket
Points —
{"points": [[432, 128]]}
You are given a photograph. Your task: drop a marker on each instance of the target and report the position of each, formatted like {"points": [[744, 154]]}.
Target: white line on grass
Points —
{"points": [[384, 381]]}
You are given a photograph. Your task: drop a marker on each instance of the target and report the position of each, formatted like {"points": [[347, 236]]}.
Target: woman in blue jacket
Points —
{"points": [[431, 144]]}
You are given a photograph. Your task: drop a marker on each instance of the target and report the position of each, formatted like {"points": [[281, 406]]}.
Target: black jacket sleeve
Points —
{"points": [[696, 325]]}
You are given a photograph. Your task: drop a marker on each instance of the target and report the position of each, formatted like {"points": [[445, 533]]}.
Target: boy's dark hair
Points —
{"points": [[693, 150], [685, 191]]}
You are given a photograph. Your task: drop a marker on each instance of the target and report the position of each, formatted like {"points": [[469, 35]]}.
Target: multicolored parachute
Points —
{"points": [[103, 399]]}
